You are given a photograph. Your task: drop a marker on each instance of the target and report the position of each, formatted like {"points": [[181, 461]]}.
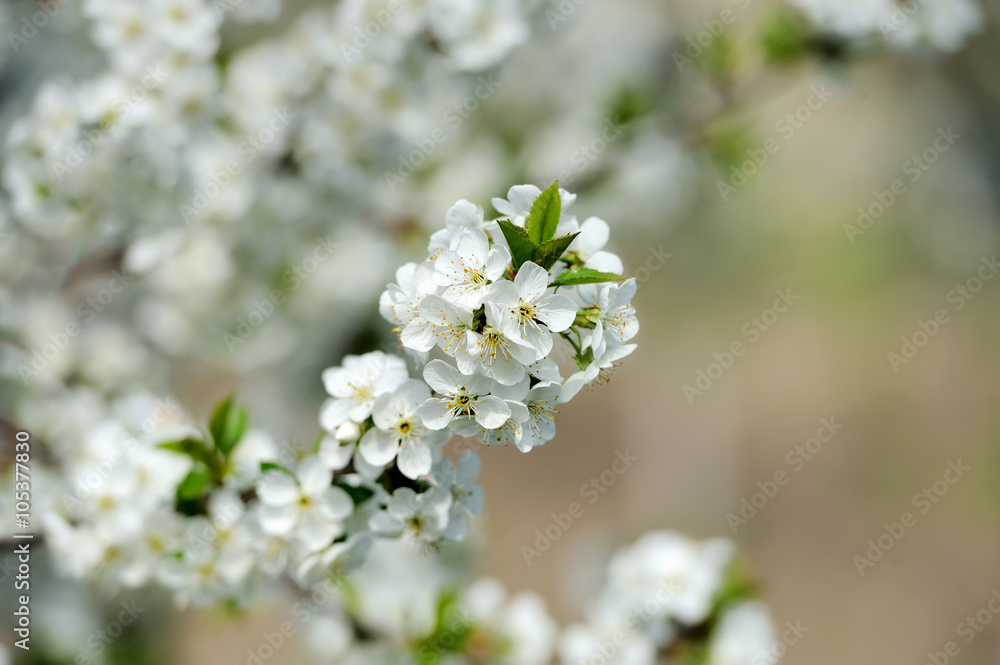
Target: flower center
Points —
{"points": [[493, 343], [416, 522], [135, 28], [462, 404], [619, 319], [362, 393], [476, 278]]}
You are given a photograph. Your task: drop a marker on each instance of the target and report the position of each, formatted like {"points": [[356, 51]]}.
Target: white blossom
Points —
{"points": [[399, 434], [469, 269], [463, 398], [525, 311], [355, 386], [306, 506]]}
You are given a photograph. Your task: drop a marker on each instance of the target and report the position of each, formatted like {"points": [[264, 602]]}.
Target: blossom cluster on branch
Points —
{"points": [[219, 516], [481, 320]]}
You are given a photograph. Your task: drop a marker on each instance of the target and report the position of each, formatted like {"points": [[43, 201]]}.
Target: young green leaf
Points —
{"points": [[195, 483], [194, 449], [581, 275], [274, 466], [544, 216], [521, 247], [227, 425], [547, 253]]}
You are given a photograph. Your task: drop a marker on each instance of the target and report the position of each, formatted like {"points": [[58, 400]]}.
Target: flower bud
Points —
{"points": [[348, 432]]}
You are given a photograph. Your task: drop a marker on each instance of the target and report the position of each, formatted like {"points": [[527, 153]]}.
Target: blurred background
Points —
{"points": [[711, 263]]}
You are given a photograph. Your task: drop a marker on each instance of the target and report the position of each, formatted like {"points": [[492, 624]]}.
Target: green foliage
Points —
{"points": [[736, 587], [522, 249], [451, 632], [728, 143], [629, 104], [784, 36], [581, 275], [273, 466], [719, 58], [227, 425], [694, 653], [194, 449], [544, 216], [193, 489], [547, 253]]}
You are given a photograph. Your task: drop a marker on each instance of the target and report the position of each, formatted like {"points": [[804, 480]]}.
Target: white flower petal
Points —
{"points": [[491, 412], [278, 520], [334, 413], [334, 454], [473, 247], [336, 504], [557, 312], [443, 378], [377, 447], [414, 459], [594, 234], [497, 262], [531, 281], [605, 262], [314, 476], [435, 414], [277, 488]]}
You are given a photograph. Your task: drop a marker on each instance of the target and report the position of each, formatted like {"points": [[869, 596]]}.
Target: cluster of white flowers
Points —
{"points": [[158, 114], [407, 608], [482, 322], [171, 149], [140, 500], [940, 24], [658, 592], [666, 599], [486, 321], [224, 512], [165, 154]]}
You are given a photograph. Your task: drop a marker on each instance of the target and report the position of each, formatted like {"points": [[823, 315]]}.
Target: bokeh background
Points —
{"points": [[858, 295]]}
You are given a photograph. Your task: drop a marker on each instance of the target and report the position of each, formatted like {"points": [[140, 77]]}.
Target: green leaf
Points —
{"points": [[194, 449], [521, 247], [728, 142], [544, 216], [227, 425], [581, 275], [547, 253], [785, 36], [736, 587], [719, 58], [273, 466], [358, 494], [452, 629], [194, 484]]}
